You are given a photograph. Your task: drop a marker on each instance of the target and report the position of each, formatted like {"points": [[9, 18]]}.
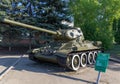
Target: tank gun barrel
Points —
{"points": [[4, 20], [65, 34]]}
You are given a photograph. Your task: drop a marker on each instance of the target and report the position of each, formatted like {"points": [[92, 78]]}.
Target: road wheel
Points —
{"points": [[73, 62], [94, 56], [83, 61], [90, 58]]}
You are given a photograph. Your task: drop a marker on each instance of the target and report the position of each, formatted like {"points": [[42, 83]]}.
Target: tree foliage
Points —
{"points": [[47, 14], [95, 17], [116, 29], [8, 35], [43, 13]]}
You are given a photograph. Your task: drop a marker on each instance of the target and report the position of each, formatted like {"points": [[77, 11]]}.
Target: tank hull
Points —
{"points": [[62, 59]]}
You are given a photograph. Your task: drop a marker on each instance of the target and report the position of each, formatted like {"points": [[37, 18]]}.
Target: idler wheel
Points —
{"points": [[94, 56], [73, 62], [32, 57], [83, 61], [90, 58]]}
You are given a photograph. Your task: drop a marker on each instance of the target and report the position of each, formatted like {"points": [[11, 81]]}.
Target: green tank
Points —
{"points": [[67, 47]]}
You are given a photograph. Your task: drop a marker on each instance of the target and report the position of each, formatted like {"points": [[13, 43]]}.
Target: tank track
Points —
{"points": [[78, 59], [75, 60]]}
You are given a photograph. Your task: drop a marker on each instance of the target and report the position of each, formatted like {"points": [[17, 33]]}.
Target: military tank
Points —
{"points": [[67, 47]]}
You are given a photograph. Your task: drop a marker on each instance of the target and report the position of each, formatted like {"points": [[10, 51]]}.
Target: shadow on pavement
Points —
{"points": [[73, 78], [114, 66], [48, 68], [41, 67]]}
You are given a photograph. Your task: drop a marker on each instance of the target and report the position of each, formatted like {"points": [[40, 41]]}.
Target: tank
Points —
{"points": [[67, 47]]}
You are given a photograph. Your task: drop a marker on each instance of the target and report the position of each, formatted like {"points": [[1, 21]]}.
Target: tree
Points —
{"points": [[9, 35], [116, 29], [43, 13], [47, 14], [95, 17]]}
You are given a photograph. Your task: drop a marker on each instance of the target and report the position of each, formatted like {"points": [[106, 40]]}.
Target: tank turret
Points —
{"points": [[68, 47]]}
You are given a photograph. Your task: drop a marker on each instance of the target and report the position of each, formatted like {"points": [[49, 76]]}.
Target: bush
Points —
{"points": [[117, 37]]}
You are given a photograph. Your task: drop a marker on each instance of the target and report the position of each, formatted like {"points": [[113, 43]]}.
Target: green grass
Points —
{"points": [[115, 51]]}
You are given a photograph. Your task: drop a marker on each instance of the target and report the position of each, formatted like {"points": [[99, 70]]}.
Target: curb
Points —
{"points": [[9, 68], [114, 60]]}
